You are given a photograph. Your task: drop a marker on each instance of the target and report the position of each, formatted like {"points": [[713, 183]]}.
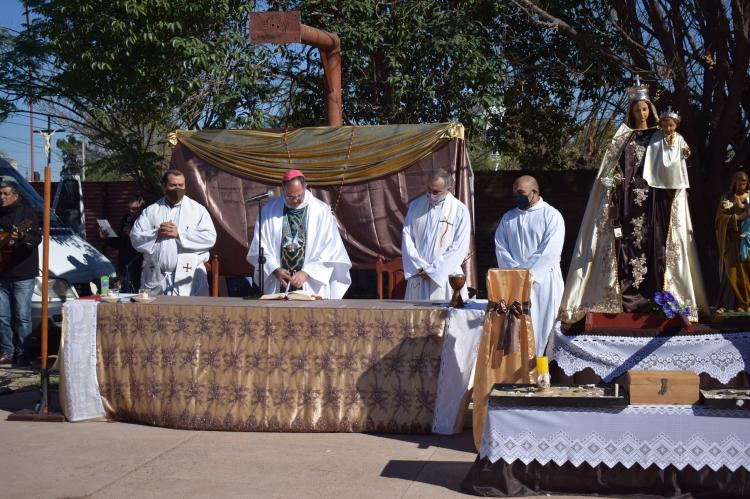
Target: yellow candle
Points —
{"points": [[542, 365]]}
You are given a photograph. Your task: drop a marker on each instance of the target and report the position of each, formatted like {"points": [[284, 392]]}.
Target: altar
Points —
{"points": [[232, 364], [720, 357], [665, 450]]}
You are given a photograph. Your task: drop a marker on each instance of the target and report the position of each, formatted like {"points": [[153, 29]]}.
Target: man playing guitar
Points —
{"points": [[19, 267]]}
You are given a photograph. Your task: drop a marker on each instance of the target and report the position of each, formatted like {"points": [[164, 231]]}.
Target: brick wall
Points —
{"points": [[102, 200]]}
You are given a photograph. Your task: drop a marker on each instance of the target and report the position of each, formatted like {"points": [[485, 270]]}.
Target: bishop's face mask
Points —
{"points": [[174, 196]]}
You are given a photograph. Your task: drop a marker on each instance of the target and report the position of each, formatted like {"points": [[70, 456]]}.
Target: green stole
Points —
{"points": [[293, 239]]}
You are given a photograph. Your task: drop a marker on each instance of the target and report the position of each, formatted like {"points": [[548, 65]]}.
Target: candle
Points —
{"points": [[542, 365]]}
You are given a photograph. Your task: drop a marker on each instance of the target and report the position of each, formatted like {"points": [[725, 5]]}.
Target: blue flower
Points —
{"points": [[659, 298], [669, 313], [668, 297]]}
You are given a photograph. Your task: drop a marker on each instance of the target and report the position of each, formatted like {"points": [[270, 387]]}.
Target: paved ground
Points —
{"points": [[103, 460]]}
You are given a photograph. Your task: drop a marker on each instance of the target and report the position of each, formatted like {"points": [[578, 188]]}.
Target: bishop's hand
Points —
{"points": [[299, 278], [283, 276]]}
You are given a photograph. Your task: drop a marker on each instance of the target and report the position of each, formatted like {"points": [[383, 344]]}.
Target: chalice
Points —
{"points": [[457, 282]]}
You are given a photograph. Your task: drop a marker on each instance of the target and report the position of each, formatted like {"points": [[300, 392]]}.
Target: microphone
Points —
{"points": [[259, 197]]}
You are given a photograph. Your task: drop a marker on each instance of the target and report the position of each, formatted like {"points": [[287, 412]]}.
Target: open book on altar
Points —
{"points": [[292, 295]]}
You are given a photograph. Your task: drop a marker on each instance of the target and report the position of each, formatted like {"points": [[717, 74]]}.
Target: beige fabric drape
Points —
{"points": [[327, 155], [496, 365], [347, 366], [370, 214]]}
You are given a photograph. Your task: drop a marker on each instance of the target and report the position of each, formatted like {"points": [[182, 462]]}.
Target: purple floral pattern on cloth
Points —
{"points": [[255, 368]]}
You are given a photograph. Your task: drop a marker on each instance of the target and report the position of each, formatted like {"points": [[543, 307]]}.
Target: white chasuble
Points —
{"points": [[533, 239], [325, 260], [174, 266], [435, 238]]}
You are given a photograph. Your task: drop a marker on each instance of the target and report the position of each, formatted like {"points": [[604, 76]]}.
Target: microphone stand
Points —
{"points": [[261, 256]]}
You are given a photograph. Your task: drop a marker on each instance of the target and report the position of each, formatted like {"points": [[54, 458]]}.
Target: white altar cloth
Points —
{"points": [[722, 356], [463, 331], [79, 388], [663, 435]]}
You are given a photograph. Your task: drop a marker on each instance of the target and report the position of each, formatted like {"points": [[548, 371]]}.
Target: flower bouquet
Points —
{"points": [[665, 315], [671, 308]]}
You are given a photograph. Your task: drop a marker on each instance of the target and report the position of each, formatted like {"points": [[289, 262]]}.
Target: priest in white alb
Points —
{"points": [[301, 244], [531, 236], [175, 235], [435, 240]]}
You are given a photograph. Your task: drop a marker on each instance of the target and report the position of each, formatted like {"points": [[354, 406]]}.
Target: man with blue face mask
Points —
{"points": [[435, 242], [531, 236]]}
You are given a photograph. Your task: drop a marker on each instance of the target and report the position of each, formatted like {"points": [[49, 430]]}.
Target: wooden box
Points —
{"points": [[663, 387], [624, 320]]}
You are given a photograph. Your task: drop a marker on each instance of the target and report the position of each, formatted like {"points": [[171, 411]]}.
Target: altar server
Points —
{"points": [[531, 236], [175, 235], [301, 244], [435, 240]]}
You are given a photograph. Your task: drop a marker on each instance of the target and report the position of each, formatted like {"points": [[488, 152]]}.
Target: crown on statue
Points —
{"points": [[670, 113], [638, 91]]}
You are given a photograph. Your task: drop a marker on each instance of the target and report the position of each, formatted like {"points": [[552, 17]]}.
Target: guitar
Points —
{"points": [[8, 244]]}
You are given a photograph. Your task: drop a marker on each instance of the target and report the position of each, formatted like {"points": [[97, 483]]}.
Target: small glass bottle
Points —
{"points": [[104, 290]]}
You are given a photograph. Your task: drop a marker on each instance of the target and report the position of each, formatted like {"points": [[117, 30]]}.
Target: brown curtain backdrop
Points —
{"points": [[370, 213]]}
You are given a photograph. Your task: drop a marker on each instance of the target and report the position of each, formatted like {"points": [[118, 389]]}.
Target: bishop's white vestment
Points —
{"points": [[533, 239], [174, 266], [324, 257], [435, 238]]}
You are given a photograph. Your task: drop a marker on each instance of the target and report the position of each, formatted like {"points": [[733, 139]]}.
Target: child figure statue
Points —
{"points": [[666, 155]]}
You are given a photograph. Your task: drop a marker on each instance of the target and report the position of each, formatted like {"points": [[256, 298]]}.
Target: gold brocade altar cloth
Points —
{"points": [[230, 364]]}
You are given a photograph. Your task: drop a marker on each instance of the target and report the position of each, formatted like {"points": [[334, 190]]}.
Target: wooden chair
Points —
{"points": [[393, 270], [212, 269]]}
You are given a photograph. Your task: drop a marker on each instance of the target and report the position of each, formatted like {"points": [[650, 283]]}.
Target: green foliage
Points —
{"points": [[127, 72], [402, 62]]}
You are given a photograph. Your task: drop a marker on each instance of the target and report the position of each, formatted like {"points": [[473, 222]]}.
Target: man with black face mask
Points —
{"points": [[175, 235], [531, 236]]}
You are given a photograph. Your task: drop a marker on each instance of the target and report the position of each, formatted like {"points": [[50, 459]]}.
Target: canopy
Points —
{"points": [[367, 174]]}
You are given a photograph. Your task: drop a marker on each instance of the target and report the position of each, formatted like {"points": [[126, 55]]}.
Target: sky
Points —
{"points": [[14, 132]]}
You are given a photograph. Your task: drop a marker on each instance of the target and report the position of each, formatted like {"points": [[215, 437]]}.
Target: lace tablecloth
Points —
{"points": [[463, 330], [722, 356], [646, 435]]}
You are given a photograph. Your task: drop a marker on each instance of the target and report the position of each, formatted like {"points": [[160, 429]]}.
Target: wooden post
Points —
{"points": [[43, 414], [215, 276]]}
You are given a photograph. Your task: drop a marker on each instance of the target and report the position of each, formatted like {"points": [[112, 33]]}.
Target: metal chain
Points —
{"points": [[341, 186]]}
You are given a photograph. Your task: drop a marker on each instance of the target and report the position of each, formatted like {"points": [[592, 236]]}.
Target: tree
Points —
{"points": [[402, 62], [694, 55], [126, 73]]}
